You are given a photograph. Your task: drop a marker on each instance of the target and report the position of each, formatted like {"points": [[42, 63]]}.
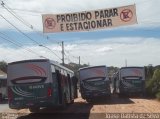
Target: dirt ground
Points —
{"points": [[113, 105], [100, 106]]}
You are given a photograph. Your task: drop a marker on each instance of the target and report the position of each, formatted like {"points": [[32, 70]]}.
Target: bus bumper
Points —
{"points": [[25, 104], [129, 91], [96, 95]]}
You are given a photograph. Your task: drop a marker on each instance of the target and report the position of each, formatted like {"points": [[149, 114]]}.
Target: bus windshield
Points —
{"points": [[95, 84], [28, 72], [92, 73], [131, 73]]}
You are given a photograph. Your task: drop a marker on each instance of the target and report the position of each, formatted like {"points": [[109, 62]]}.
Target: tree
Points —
{"points": [[149, 72], [153, 85], [156, 81], [3, 66]]}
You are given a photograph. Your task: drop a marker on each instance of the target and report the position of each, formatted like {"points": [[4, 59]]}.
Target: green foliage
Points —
{"points": [[112, 70], [149, 70], [158, 95], [3, 66], [153, 85]]}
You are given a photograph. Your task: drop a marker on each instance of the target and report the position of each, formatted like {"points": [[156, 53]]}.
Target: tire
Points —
{"points": [[121, 95], [89, 100], [72, 102], [142, 95], [1, 98], [109, 97], [64, 102], [34, 109]]}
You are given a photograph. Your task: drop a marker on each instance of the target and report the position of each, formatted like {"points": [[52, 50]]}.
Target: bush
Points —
{"points": [[153, 85], [158, 95], [3, 66], [149, 86]]}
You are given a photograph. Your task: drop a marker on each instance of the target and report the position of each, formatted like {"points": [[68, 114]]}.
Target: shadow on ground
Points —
{"points": [[114, 99], [78, 110]]}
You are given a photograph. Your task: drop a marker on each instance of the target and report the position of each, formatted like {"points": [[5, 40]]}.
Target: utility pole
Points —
{"points": [[62, 53], [79, 61], [126, 62]]}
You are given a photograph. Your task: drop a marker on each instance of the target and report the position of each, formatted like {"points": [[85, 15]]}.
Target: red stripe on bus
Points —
{"points": [[40, 68], [34, 69]]}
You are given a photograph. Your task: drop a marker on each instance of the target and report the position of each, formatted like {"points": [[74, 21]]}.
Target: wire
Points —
{"points": [[27, 35], [31, 26], [74, 57], [22, 55], [22, 20], [50, 51], [82, 61], [67, 57], [24, 10], [26, 24], [19, 30], [19, 45]]}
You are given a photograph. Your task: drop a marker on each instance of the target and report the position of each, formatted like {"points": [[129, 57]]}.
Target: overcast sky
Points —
{"points": [[138, 44]]}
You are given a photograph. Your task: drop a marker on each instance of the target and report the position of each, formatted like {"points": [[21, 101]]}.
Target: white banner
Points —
{"points": [[89, 20]]}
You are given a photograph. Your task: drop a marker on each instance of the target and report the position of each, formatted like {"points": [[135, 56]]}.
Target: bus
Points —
{"points": [[131, 80], [40, 83], [3, 87], [94, 83]]}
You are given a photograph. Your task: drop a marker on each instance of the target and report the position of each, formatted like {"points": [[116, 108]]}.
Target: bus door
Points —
{"points": [[74, 81], [59, 81], [70, 86]]}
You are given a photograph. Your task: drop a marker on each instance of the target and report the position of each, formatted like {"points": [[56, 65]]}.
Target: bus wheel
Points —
{"points": [[0, 97], [34, 109], [64, 102], [72, 102], [88, 100], [121, 95]]}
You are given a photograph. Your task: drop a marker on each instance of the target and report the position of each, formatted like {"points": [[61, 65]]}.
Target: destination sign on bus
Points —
{"points": [[89, 20]]}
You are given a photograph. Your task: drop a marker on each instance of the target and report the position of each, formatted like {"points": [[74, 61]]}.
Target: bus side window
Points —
{"points": [[66, 81], [54, 76], [0, 83], [69, 79], [3, 83], [59, 80]]}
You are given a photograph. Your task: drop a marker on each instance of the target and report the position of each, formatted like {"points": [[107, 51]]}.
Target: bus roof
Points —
{"points": [[30, 60], [131, 67], [42, 60], [55, 63], [91, 67], [3, 77]]}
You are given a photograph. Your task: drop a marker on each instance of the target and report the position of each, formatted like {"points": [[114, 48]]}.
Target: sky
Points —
{"points": [[134, 45]]}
